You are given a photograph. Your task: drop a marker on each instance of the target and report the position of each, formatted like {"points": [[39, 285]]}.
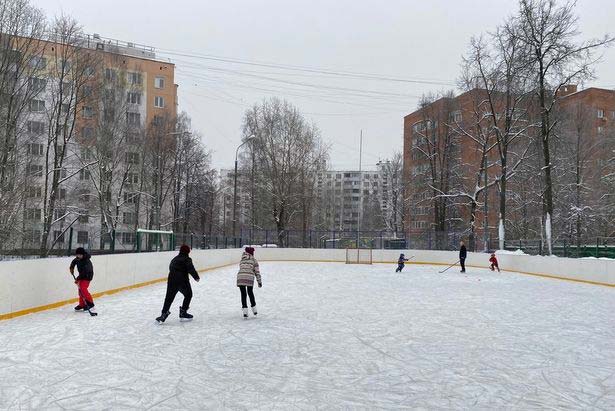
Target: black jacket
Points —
{"points": [[463, 252], [84, 267], [181, 266]]}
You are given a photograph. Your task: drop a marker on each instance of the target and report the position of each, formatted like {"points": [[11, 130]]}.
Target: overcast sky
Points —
{"points": [[412, 40]]}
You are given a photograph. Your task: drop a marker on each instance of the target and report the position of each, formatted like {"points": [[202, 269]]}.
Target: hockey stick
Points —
{"points": [[93, 314], [449, 267]]}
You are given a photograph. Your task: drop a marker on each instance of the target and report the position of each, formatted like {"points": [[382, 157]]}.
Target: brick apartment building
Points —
{"points": [[441, 159]]}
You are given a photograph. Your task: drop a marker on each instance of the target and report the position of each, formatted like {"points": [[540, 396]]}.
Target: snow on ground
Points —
{"points": [[327, 336]]}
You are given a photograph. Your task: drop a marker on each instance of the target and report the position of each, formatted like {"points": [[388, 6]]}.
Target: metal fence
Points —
{"points": [[129, 242]]}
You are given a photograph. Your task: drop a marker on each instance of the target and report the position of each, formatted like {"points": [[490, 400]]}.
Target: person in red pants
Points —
{"points": [[85, 268], [494, 263]]}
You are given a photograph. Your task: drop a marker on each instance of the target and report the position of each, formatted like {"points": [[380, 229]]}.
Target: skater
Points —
{"points": [[463, 253], [86, 273], [248, 269], [400, 263], [494, 263], [178, 280]]}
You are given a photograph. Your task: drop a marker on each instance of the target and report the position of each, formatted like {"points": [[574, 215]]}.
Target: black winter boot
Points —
{"points": [[163, 317], [183, 313]]}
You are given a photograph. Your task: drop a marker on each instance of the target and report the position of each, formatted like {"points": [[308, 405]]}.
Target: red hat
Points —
{"points": [[249, 250], [184, 249]]}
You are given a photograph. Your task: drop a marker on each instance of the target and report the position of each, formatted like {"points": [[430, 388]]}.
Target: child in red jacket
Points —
{"points": [[494, 263]]}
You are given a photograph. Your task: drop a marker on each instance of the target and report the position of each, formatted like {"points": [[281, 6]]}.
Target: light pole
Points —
{"points": [[252, 137]]}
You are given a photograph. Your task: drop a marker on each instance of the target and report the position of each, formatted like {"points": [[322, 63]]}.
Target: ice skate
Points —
{"points": [[183, 314], [79, 308], [163, 317], [254, 310], [245, 312]]}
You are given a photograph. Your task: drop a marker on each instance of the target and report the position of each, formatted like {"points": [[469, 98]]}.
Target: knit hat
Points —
{"points": [[80, 250], [184, 249], [249, 250]]}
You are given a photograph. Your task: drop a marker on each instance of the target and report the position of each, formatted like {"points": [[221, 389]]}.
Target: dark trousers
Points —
{"points": [[462, 261], [244, 289], [399, 268], [174, 286]]}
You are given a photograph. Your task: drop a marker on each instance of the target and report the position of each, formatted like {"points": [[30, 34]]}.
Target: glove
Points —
{"points": [[260, 285], [76, 281]]}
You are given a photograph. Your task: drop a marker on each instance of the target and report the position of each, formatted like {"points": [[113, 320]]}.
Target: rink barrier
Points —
{"points": [[30, 286]]}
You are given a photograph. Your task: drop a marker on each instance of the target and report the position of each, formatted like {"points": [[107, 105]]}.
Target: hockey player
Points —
{"points": [[86, 274], [400, 263], [463, 254], [494, 263], [248, 269], [181, 266]]}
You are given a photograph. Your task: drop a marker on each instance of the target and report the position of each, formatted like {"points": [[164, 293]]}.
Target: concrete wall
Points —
{"points": [[33, 285]]}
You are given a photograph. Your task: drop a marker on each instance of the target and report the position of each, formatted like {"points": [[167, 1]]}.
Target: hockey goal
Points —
{"points": [[358, 256]]}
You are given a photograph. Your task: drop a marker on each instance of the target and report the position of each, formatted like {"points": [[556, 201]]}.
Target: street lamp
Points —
{"points": [[252, 137]]}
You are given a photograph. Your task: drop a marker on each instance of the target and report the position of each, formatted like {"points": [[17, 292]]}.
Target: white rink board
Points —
{"points": [[25, 285], [329, 336]]}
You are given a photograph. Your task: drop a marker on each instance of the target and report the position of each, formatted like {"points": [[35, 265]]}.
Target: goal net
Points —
{"points": [[358, 256], [155, 240]]}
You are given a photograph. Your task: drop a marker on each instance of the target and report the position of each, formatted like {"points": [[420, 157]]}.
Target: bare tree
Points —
{"points": [[69, 75], [436, 161], [21, 52], [553, 57], [494, 66], [392, 198], [287, 149]]}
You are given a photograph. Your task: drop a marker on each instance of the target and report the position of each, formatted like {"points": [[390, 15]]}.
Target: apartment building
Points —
{"points": [[226, 186], [352, 199], [121, 97], [442, 159]]}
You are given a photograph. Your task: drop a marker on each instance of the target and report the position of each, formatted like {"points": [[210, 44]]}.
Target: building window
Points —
{"points": [[600, 129], [90, 71], [58, 236], [132, 158], [135, 78], [84, 219], [65, 65], [110, 74], [36, 127], [65, 108], [37, 84], [35, 170], [128, 218], [82, 237], [87, 91], [37, 106], [62, 194], [600, 113], [133, 98], [159, 102], [88, 112], [34, 192], [59, 214], [38, 62], [87, 133], [36, 149], [132, 178], [84, 174], [159, 82], [456, 117], [133, 119], [130, 198], [33, 214]]}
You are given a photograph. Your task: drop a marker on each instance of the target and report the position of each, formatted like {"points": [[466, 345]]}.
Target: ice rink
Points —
{"points": [[328, 335]]}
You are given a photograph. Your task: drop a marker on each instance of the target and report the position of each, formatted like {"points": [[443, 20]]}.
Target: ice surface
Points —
{"points": [[327, 336]]}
